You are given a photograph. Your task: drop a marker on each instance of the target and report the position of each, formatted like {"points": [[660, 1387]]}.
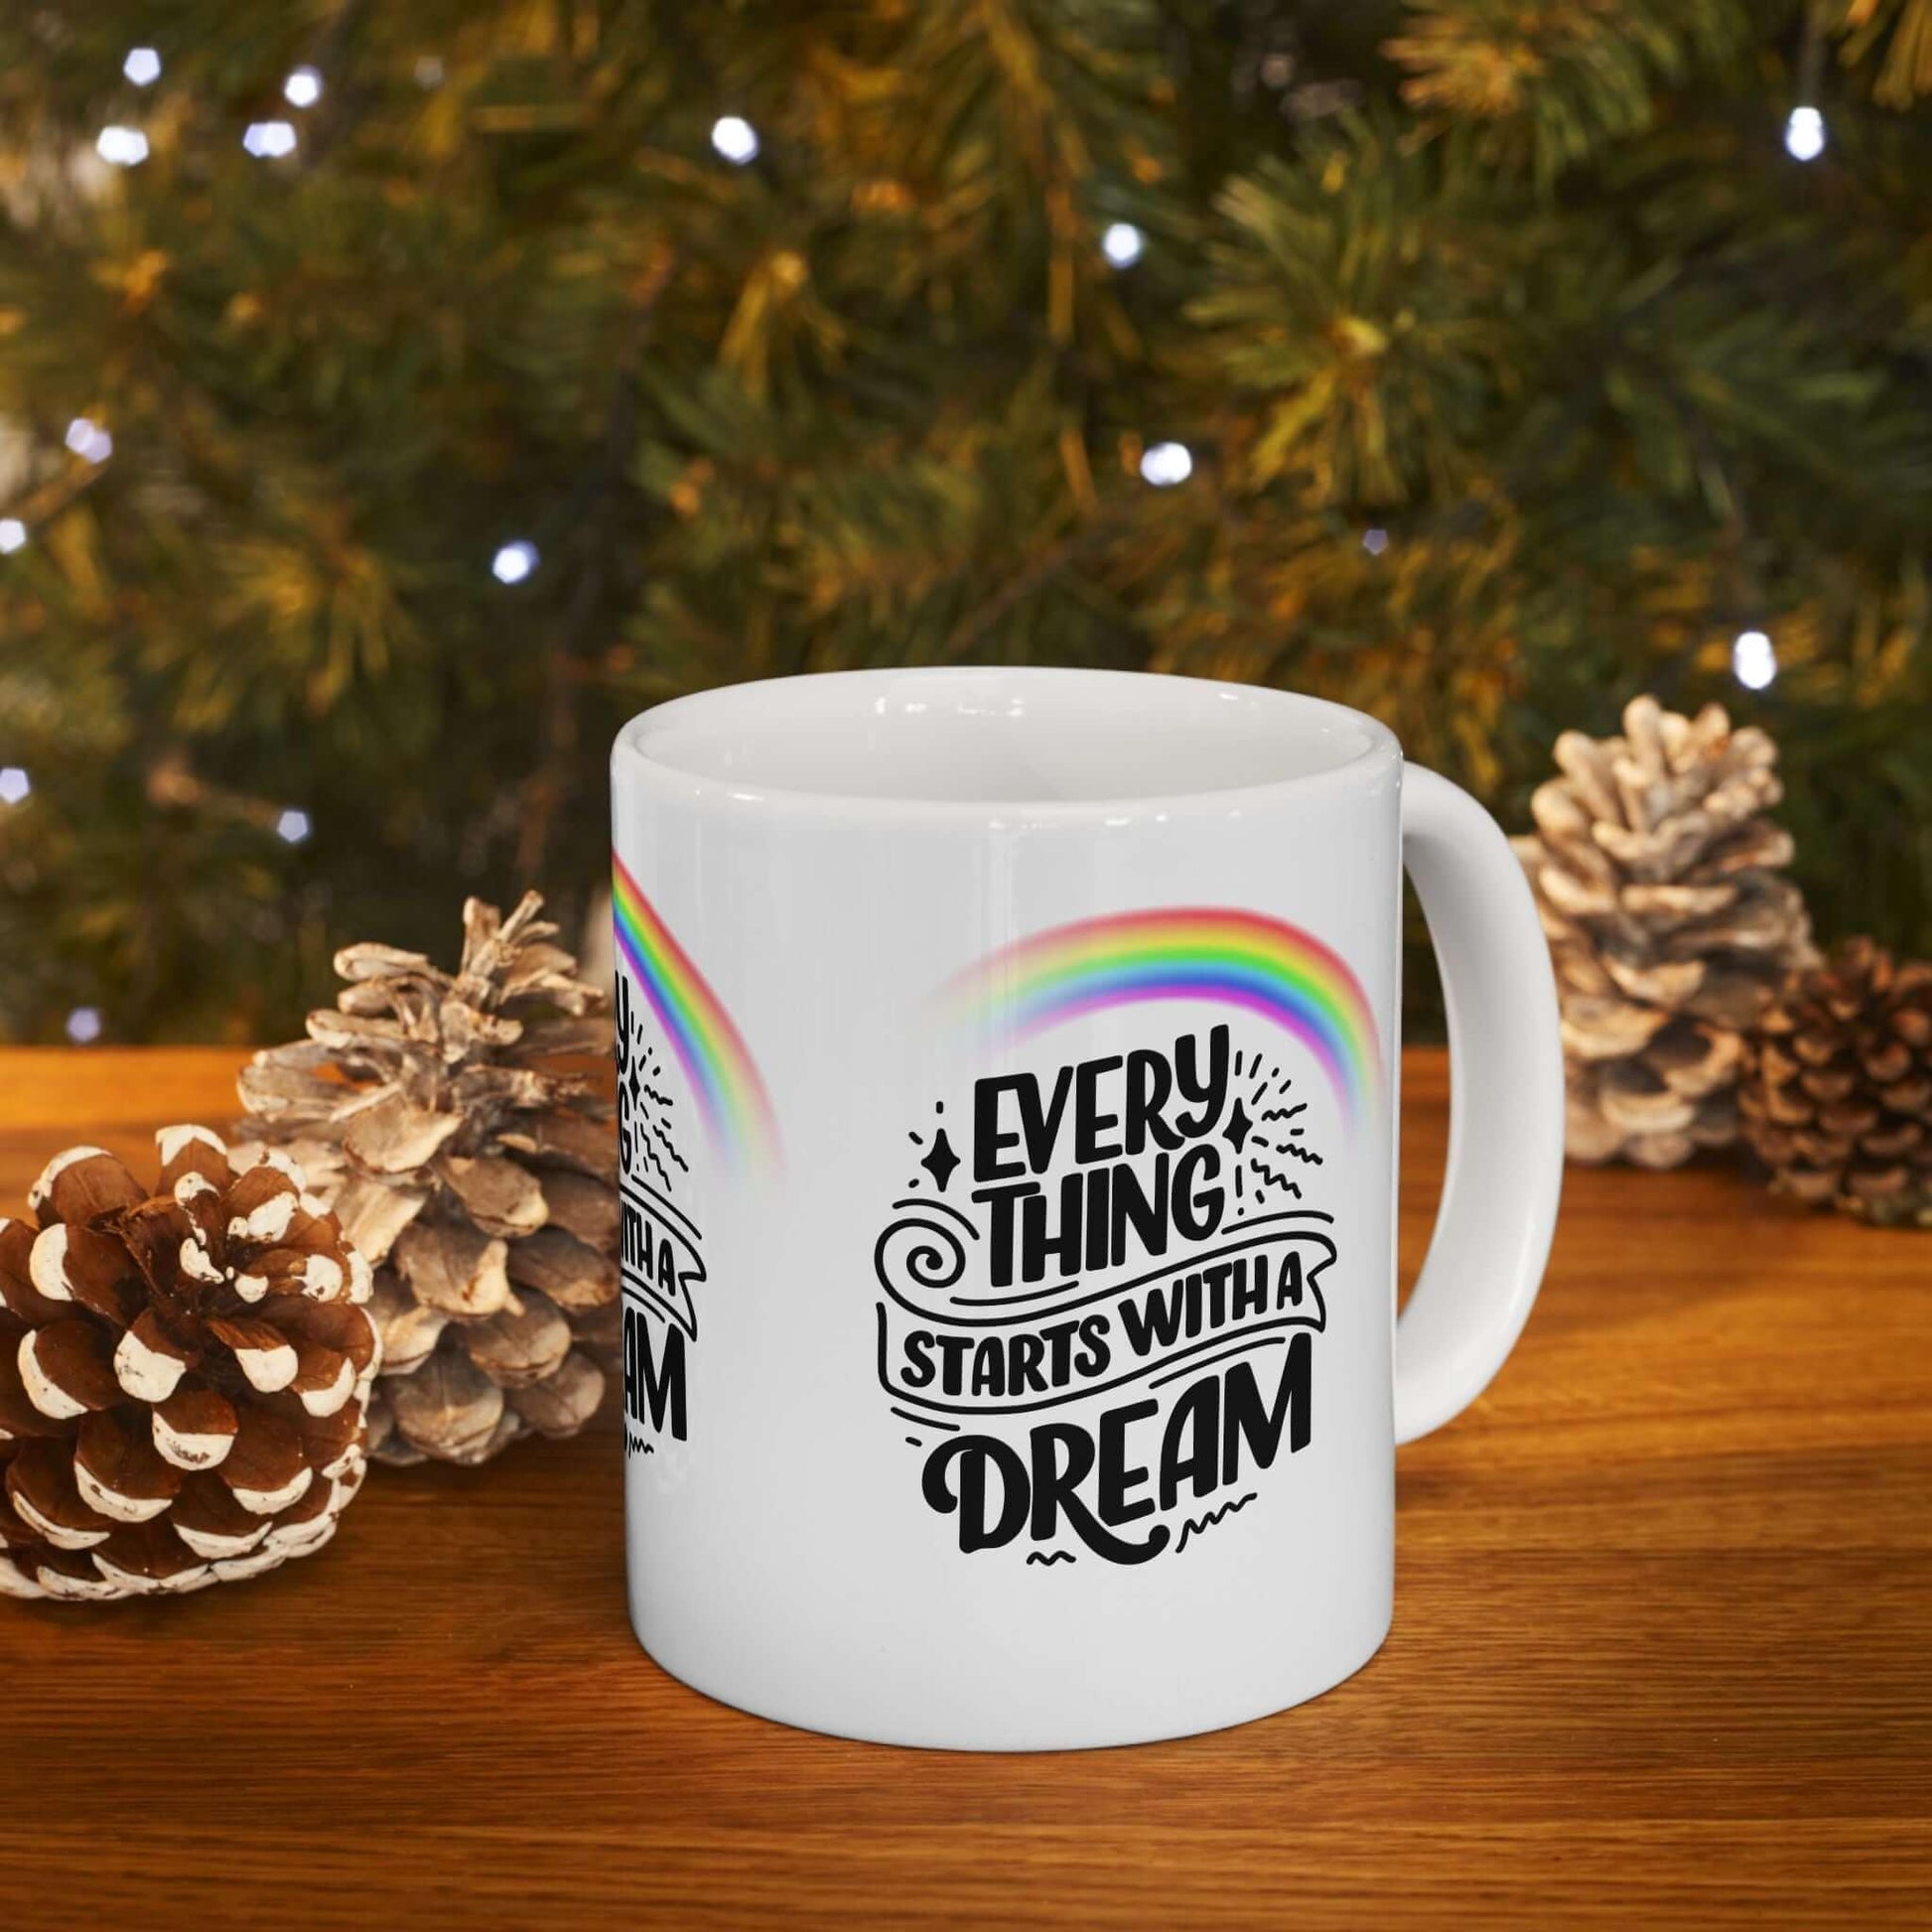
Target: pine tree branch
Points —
{"points": [[557, 772], [975, 625]]}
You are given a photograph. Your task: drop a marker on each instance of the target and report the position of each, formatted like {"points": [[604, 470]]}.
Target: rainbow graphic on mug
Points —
{"points": [[1226, 957], [717, 1064]]}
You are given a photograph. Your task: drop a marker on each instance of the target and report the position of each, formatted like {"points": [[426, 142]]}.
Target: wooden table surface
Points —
{"points": [[1662, 1656]]}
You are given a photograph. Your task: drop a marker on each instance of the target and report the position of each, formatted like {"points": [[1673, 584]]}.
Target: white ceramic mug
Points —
{"points": [[1008, 1077]]}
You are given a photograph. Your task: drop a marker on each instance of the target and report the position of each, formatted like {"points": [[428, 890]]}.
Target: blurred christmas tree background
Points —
{"points": [[395, 398]]}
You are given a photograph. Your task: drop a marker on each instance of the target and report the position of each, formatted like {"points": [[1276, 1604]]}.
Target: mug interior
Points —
{"points": [[994, 735]]}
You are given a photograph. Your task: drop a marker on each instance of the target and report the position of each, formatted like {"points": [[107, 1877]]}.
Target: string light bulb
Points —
{"points": [[1754, 659], [83, 1025], [86, 439], [292, 826], [1167, 464], [302, 88], [142, 65], [736, 139], [269, 140], [121, 147], [15, 784], [1122, 245], [13, 535], [1804, 134], [513, 562], [1375, 541]]}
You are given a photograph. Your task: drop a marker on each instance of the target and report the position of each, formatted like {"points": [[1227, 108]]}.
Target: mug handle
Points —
{"points": [[1506, 1108]]}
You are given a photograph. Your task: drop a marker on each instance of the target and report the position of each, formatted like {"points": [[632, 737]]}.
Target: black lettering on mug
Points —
{"points": [[1105, 1329], [660, 1266]]}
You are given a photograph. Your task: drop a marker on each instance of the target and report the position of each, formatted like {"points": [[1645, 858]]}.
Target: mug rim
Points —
{"points": [[1379, 752]]}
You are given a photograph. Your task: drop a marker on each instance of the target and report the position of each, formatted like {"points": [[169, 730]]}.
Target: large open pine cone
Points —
{"points": [[1838, 1103], [182, 1375], [475, 1167], [1658, 880]]}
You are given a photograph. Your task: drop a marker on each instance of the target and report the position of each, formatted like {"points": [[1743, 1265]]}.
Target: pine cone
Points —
{"points": [[1838, 1101], [474, 1171], [1657, 878], [182, 1377]]}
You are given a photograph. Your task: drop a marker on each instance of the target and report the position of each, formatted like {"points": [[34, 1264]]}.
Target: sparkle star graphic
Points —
{"points": [[645, 1139], [1239, 1126], [940, 1161]]}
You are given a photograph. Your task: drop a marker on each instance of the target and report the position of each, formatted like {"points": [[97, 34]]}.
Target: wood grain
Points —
{"points": [[1662, 1657]]}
